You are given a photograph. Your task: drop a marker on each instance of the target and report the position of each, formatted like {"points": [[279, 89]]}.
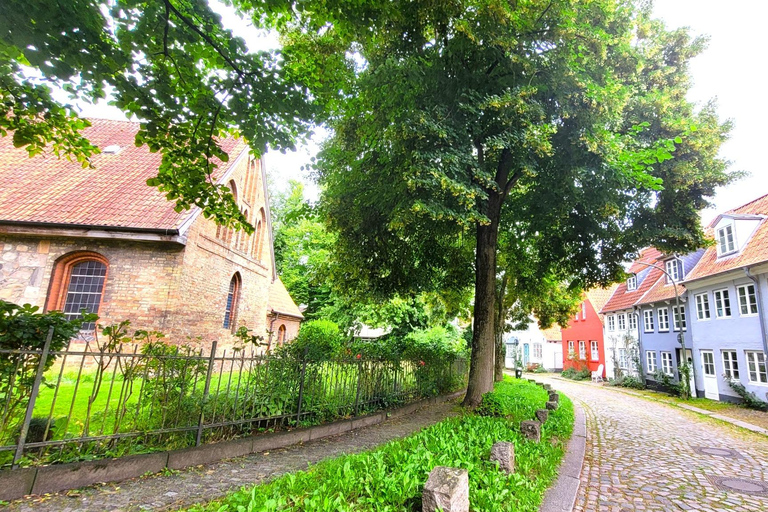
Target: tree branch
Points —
{"points": [[205, 37]]}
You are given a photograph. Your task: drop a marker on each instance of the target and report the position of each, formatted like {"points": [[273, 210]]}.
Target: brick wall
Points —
{"points": [[176, 289]]}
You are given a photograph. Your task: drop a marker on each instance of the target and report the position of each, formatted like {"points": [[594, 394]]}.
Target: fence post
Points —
{"points": [[301, 385], [206, 391], [359, 378], [32, 398]]}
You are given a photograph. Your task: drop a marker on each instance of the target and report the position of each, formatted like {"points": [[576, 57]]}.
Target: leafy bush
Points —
{"points": [[540, 369], [391, 477], [24, 328], [318, 340], [574, 374], [667, 383], [628, 381], [521, 401], [749, 399]]}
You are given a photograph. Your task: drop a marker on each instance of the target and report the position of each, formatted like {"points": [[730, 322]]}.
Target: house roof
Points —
{"points": [[625, 299], [111, 193], [662, 290], [280, 300], [599, 297], [755, 251], [553, 333]]}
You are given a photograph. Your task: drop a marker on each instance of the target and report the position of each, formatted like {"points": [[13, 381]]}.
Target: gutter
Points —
{"points": [[59, 225], [760, 312]]}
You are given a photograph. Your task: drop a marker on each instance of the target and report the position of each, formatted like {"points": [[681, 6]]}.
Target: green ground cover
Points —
{"points": [[391, 477]]}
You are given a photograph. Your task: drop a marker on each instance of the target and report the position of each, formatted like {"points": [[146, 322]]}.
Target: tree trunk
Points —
{"points": [[501, 320], [481, 367]]}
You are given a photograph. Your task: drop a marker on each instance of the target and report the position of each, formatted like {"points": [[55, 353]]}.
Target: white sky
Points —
{"points": [[733, 69]]}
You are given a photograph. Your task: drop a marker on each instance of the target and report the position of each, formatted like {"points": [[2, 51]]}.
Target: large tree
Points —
{"points": [[556, 118]]}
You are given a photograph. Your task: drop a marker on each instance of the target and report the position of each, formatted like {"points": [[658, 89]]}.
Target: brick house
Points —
{"points": [[99, 238], [583, 345]]}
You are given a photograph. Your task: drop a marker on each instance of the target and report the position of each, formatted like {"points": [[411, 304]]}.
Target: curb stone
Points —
{"points": [[561, 497], [712, 414]]}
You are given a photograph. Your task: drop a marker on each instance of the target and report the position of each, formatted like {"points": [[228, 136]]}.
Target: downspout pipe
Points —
{"points": [[641, 352], [760, 313]]}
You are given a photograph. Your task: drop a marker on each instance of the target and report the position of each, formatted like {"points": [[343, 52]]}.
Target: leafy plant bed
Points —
{"points": [[391, 477]]}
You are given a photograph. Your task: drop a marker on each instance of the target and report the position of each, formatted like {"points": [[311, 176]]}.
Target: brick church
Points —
{"points": [[100, 238]]}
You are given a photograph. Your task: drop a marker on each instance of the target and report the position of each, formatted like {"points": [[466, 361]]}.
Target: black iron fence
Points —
{"points": [[94, 403]]}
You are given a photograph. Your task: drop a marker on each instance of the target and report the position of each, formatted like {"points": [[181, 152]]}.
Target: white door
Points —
{"points": [[509, 360], [557, 364], [709, 375]]}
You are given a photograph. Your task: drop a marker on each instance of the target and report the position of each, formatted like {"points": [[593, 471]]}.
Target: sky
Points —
{"points": [[733, 70]]}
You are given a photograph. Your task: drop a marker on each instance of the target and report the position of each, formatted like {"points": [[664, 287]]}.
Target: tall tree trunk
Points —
{"points": [[501, 353], [481, 368]]}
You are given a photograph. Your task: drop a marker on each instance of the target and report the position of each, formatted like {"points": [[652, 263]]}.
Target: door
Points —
{"points": [[557, 364], [526, 355], [709, 375]]}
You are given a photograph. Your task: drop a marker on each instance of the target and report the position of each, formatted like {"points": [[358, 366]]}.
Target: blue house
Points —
{"points": [[727, 293], [663, 314]]}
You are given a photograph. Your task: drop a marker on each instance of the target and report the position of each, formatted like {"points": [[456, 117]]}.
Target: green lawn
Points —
{"points": [[391, 477]]}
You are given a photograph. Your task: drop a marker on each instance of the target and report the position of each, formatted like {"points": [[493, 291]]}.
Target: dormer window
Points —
{"points": [[726, 243], [674, 270], [632, 283]]}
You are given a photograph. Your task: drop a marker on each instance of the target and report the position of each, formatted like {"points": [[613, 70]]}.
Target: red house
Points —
{"points": [[583, 338]]}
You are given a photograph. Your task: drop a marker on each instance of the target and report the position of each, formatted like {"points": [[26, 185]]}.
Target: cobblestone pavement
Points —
{"points": [[649, 456], [204, 483]]}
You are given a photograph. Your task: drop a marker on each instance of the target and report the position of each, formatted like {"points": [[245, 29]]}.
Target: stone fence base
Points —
{"points": [[17, 483]]}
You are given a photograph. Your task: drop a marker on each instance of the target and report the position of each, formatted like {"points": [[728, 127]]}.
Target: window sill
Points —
{"points": [[723, 317]]}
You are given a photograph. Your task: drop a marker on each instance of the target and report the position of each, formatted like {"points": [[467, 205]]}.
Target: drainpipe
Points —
{"points": [[760, 314]]}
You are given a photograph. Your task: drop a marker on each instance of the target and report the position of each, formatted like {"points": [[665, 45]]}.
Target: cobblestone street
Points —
{"points": [[648, 456]]}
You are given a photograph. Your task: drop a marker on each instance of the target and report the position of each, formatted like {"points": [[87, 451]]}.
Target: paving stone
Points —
{"points": [[645, 456]]}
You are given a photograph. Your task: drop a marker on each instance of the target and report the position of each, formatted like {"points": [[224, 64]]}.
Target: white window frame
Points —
{"points": [[723, 247], [611, 323], [584, 310], [730, 364], [663, 319], [674, 270], [621, 322], [754, 361], [582, 350], [632, 283], [678, 317], [722, 296], [594, 351], [749, 302], [666, 364], [648, 320], [704, 355], [632, 321], [703, 313], [623, 359], [650, 361], [570, 348], [538, 351]]}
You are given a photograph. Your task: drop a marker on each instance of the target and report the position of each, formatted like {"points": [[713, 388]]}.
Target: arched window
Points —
{"points": [[78, 283], [233, 297], [256, 238], [281, 335], [244, 237], [261, 235]]}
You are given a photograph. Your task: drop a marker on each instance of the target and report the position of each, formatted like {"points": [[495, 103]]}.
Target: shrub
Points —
{"points": [[628, 381], [318, 340], [667, 383], [574, 374], [749, 399]]}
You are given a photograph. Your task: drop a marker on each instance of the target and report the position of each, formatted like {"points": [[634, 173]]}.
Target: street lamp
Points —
{"points": [[680, 336]]}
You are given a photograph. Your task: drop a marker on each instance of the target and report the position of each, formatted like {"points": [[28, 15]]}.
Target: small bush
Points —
{"points": [[628, 381], [318, 340], [675, 388], [749, 399], [574, 374]]}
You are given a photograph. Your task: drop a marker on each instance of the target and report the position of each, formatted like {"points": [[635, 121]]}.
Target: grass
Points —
{"points": [[391, 477]]}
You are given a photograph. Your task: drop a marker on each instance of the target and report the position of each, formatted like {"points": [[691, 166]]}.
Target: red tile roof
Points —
{"points": [[113, 193], [624, 299], [280, 300], [661, 291], [553, 333], [599, 297], [755, 251]]}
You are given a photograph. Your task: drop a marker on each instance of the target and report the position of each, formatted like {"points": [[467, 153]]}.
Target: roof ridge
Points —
{"points": [[745, 204]]}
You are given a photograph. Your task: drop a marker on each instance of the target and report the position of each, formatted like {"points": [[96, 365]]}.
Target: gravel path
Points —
{"points": [[649, 456], [203, 483]]}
